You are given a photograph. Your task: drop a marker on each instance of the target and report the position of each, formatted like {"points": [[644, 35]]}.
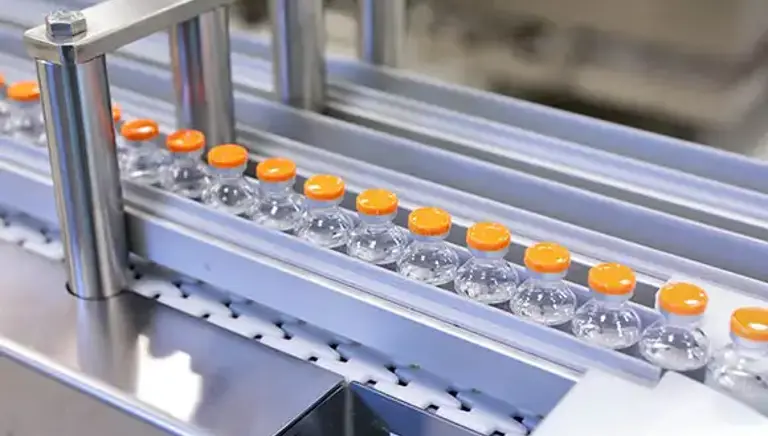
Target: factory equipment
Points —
{"points": [[120, 257]]}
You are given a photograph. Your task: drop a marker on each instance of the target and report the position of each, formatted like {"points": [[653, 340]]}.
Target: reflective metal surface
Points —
{"points": [[381, 31], [115, 23], [298, 38], [158, 365], [89, 200], [202, 73]]}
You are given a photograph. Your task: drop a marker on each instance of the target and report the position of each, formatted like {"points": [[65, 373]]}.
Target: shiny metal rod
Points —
{"points": [[298, 47], [202, 75], [381, 31], [81, 141]]}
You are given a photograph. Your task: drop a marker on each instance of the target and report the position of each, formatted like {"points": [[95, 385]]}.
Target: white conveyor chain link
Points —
{"points": [[355, 362]]}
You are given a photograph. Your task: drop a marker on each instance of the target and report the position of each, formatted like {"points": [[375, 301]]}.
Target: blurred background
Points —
{"points": [[692, 69]]}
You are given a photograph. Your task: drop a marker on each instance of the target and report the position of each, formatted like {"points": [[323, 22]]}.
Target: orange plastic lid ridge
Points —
{"points": [[324, 187], [750, 323], [227, 156], [117, 112], [23, 91], [276, 169], [429, 221], [140, 130], [683, 299], [488, 237], [547, 258], [376, 202], [612, 279], [185, 141]]}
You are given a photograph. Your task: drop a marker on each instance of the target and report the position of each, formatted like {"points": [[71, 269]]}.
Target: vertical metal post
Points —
{"points": [[381, 31], [78, 121], [298, 48], [202, 76]]}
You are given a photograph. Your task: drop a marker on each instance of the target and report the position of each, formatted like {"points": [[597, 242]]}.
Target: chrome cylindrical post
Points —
{"points": [[298, 48], [381, 31], [202, 75], [81, 141], [78, 121]]}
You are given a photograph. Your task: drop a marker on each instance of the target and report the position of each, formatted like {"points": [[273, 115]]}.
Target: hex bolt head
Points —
{"points": [[65, 24]]}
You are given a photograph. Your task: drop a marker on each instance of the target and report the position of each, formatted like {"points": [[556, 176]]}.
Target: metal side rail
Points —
{"points": [[679, 155], [654, 267], [356, 363], [234, 254], [697, 198], [711, 250], [671, 234]]}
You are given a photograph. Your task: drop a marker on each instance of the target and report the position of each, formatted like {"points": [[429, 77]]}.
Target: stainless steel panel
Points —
{"points": [[151, 362]]}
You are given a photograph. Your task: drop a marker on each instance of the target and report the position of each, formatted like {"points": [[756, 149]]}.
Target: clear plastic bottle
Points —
{"points": [[676, 343], [25, 119], [324, 223], [278, 206], [230, 191], [429, 259], [376, 239], [487, 277], [186, 175], [144, 161], [544, 297], [740, 369], [607, 319]]}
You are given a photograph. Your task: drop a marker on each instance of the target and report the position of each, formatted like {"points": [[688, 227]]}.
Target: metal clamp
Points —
{"points": [[70, 52]]}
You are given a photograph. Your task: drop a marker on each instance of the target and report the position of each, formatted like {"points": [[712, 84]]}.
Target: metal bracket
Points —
{"points": [[70, 51]]}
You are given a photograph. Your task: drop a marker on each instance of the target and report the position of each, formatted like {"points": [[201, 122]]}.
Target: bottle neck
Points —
{"points": [[428, 240], [481, 256], [187, 157], [751, 348], [376, 223], [321, 206], [140, 144], [611, 301], [690, 321], [275, 190], [228, 174], [546, 277]]}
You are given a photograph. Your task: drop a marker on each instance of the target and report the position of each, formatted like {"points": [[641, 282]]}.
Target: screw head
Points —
{"points": [[65, 24]]}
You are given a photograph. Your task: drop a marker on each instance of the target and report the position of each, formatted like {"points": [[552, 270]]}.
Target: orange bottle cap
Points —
{"points": [[27, 90], [488, 237], [276, 169], [612, 279], [117, 113], [750, 323], [2, 80], [376, 202], [324, 187], [683, 299], [227, 156], [429, 221], [140, 130], [547, 258], [185, 141]]}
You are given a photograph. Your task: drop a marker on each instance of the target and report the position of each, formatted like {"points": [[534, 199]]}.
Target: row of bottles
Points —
{"points": [[607, 319]]}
